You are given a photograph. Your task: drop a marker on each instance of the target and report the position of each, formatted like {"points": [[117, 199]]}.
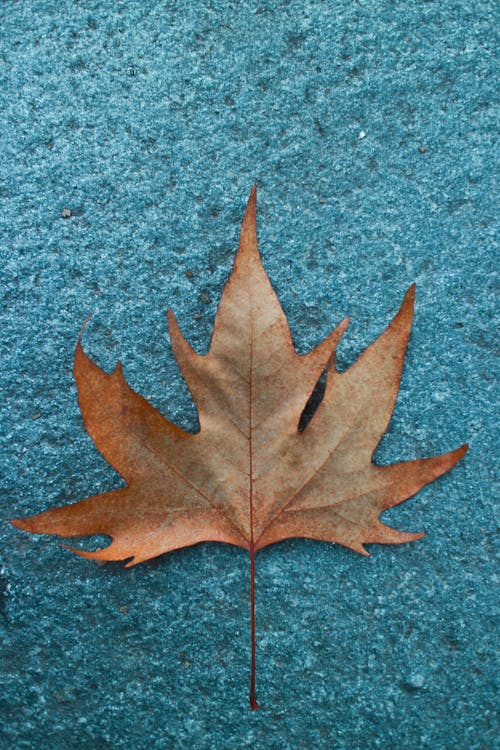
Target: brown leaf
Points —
{"points": [[248, 477]]}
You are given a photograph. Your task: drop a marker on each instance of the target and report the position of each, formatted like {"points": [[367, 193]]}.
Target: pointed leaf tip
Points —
{"points": [[453, 457], [20, 523], [250, 215], [404, 315], [409, 298], [79, 348], [248, 248]]}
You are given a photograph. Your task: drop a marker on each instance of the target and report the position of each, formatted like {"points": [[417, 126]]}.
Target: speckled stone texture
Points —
{"points": [[131, 133]]}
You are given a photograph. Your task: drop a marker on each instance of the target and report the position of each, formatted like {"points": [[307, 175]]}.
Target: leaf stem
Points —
{"points": [[253, 697]]}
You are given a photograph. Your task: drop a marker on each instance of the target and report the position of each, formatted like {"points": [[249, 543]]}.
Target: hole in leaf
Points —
{"points": [[314, 401]]}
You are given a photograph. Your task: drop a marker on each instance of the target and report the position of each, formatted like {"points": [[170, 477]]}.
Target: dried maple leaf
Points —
{"points": [[249, 477]]}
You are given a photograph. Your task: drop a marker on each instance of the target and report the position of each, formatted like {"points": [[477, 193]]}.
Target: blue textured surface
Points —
{"points": [[130, 135]]}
